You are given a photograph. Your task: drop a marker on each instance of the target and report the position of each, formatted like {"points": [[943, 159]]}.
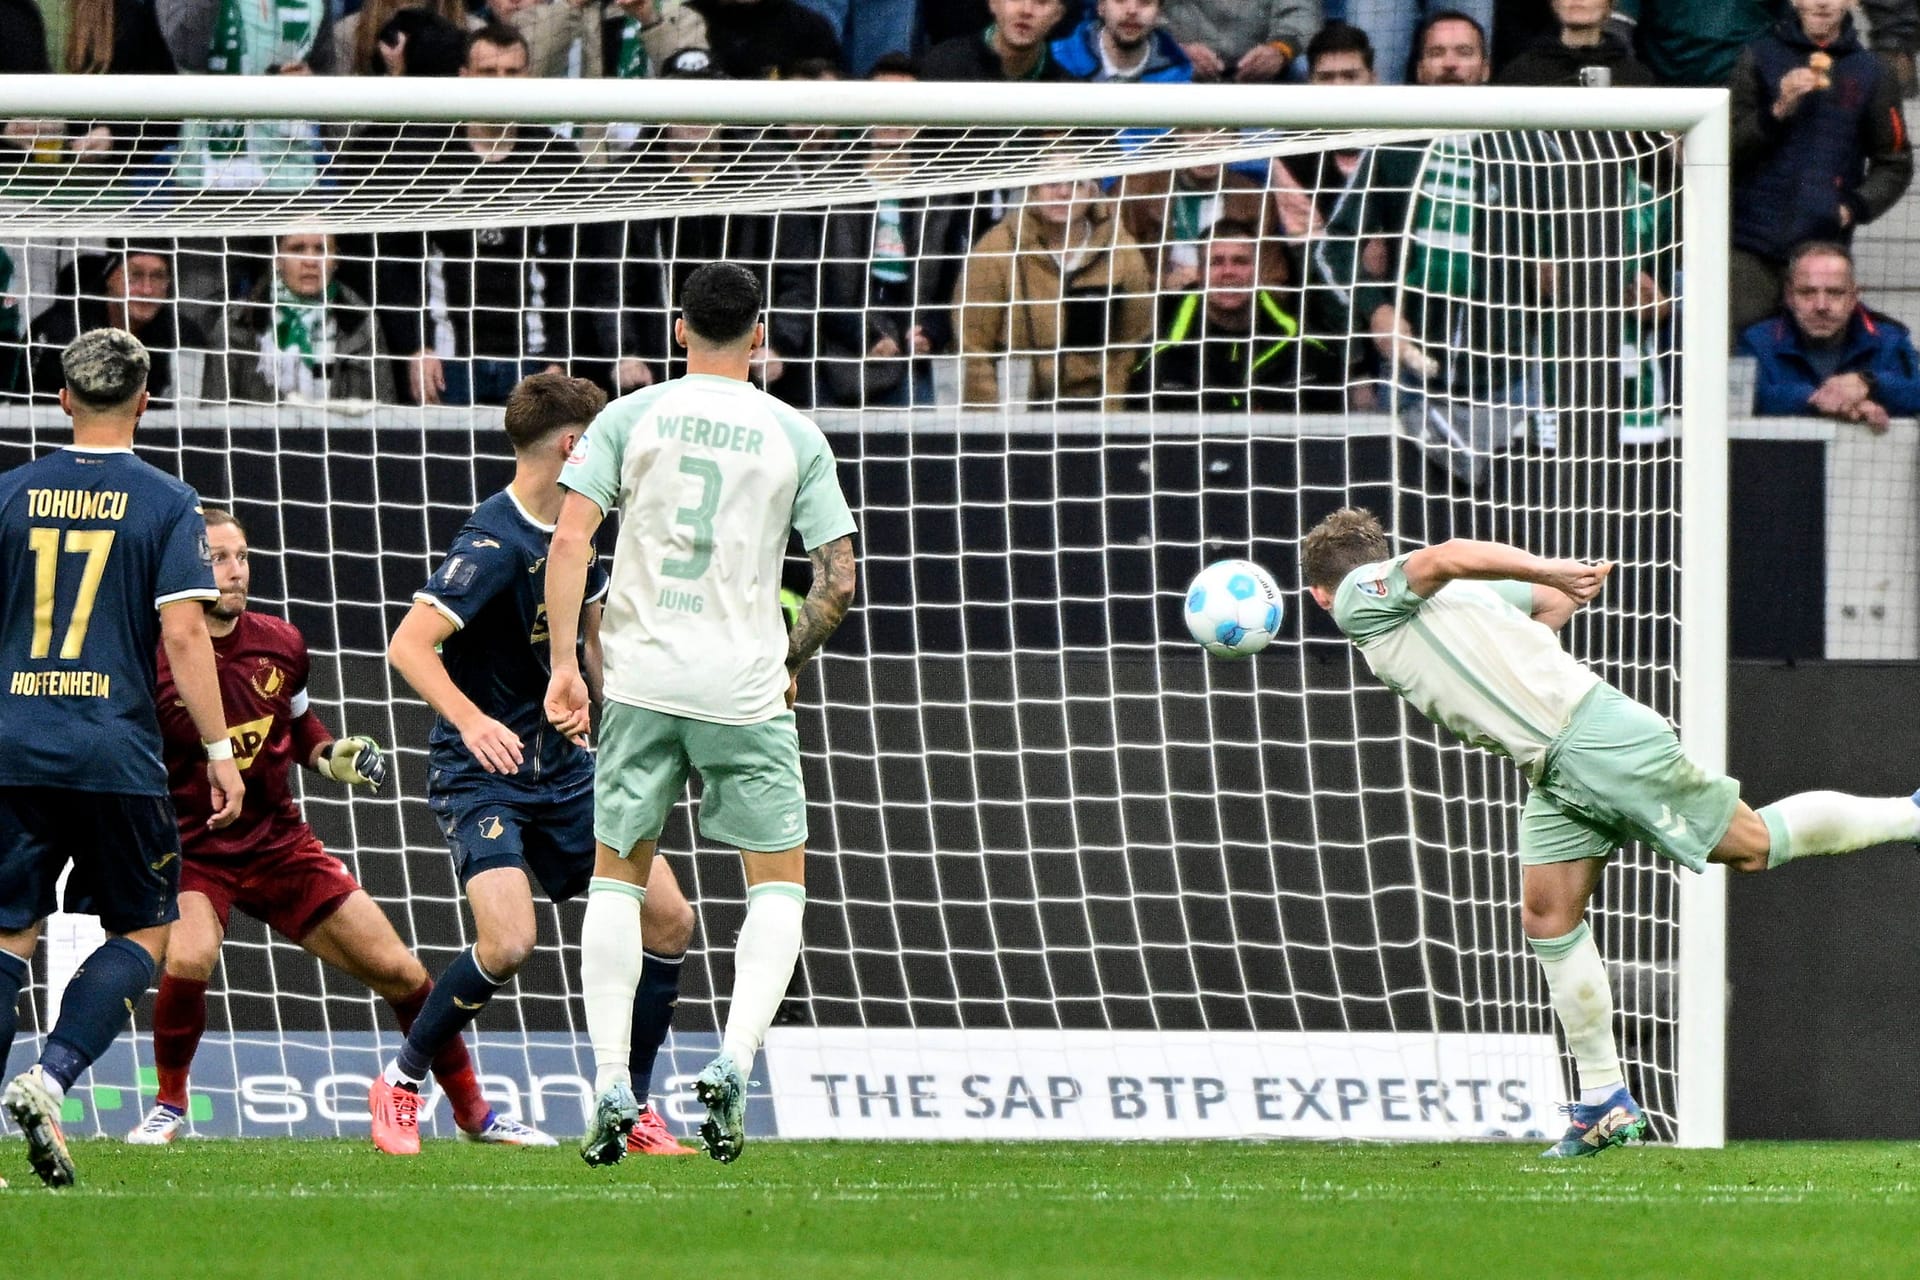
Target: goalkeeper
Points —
{"points": [[268, 863], [1465, 632]]}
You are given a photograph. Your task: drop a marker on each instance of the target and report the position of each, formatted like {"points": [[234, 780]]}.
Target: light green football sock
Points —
{"points": [[1583, 1001], [1813, 823]]}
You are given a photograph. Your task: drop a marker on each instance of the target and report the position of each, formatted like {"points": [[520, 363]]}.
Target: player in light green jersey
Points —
{"points": [[1464, 631], [710, 476]]}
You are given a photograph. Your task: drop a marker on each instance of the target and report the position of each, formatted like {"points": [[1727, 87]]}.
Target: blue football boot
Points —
{"points": [[1595, 1127]]}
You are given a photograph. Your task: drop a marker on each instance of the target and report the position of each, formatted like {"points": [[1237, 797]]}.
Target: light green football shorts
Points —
{"points": [[751, 796], [1618, 774]]}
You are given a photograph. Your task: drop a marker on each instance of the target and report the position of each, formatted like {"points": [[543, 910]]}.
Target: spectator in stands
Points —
{"points": [[1306, 187], [23, 39], [1234, 344], [867, 294], [1412, 257], [1061, 284], [1171, 217], [1697, 42], [279, 37], [130, 286], [359, 49], [506, 290], [634, 270], [869, 29], [755, 39], [420, 43], [1819, 147], [1013, 48], [554, 30], [1245, 41], [300, 336], [104, 37], [1585, 41], [1395, 25], [13, 331], [638, 36], [1123, 40], [1825, 353]]}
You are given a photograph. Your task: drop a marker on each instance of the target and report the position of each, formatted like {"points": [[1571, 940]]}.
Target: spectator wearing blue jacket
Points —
{"points": [[1819, 147], [1826, 354], [1123, 41]]}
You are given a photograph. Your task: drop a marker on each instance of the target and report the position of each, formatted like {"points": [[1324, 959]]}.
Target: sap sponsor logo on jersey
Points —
{"points": [[578, 456], [248, 738]]}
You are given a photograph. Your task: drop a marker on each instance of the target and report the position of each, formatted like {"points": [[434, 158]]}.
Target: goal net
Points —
{"points": [[1069, 875]]}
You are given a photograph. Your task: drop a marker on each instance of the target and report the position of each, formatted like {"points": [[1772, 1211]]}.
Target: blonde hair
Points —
{"points": [[1341, 543], [89, 37]]}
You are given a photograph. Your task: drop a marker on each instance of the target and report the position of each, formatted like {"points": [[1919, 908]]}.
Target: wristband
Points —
{"points": [[217, 751]]}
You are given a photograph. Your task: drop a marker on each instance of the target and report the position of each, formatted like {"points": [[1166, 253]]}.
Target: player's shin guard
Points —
{"points": [[610, 966], [452, 1066], [179, 1020], [762, 965], [1820, 822], [459, 996], [95, 1007], [653, 1006], [13, 976], [1583, 1001]]}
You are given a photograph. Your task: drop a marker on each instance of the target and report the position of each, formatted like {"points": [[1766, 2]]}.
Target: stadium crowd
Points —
{"points": [[1306, 283]]}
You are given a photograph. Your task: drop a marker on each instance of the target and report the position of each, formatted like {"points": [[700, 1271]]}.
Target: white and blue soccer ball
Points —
{"points": [[1234, 608]]}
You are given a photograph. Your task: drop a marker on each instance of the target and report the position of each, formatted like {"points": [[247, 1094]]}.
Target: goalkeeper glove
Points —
{"points": [[355, 761]]}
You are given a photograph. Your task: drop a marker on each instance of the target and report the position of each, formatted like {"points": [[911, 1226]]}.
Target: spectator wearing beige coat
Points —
{"points": [[1059, 282]]}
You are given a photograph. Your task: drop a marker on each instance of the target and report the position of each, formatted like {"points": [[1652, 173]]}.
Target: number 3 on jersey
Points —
{"points": [[698, 518], [95, 544]]}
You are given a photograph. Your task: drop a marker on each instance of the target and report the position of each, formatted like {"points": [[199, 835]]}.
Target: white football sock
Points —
{"points": [[1583, 1001], [1818, 822], [610, 960], [763, 964]]}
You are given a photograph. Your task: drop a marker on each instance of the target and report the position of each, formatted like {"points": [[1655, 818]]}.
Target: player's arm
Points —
{"points": [[414, 652], [592, 657], [826, 605], [1431, 568], [183, 634], [1552, 607], [568, 556], [355, 760]]}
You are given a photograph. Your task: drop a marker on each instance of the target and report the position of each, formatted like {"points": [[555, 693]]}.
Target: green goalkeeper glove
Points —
{"points": [[355, 761]]}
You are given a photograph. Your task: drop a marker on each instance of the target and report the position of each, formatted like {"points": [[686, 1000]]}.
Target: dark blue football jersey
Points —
{"points": [[92, 543], [492, 587]]}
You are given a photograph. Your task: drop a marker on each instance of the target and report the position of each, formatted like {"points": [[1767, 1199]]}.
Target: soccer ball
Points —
{"points": [[1234, 608]]}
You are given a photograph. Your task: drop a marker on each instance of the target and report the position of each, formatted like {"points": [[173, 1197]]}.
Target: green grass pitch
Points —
{"points": [[792, 1210]]}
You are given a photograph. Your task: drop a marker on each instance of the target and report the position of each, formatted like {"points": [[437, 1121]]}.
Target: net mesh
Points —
{"points": [[1061, 370]]}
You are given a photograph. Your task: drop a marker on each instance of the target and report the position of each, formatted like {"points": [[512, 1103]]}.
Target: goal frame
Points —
{"points": [[1701, 116]]}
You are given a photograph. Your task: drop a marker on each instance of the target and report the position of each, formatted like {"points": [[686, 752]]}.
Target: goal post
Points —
{"points": [[1061, 848]]}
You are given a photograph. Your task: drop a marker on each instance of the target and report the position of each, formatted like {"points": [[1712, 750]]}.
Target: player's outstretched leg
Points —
{"points": [[666, 923], [1814, 823], [763, 967], [610, 964]]}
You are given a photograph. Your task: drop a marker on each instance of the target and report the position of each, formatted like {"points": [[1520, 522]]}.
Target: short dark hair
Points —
{"points": [[894, 64], [1339, 544], [1432, 20], [105, 368], [499, 35], [548, 402], [1233, 229], [812, 69], [721, 302], [217, 516], [1340, 37]]}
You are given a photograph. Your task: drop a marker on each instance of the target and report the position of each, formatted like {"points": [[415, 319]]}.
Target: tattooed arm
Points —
{"points": [[826, 604]]}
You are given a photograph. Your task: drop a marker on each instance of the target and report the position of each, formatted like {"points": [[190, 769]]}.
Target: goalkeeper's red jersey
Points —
{"points": [[263, 684]]}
